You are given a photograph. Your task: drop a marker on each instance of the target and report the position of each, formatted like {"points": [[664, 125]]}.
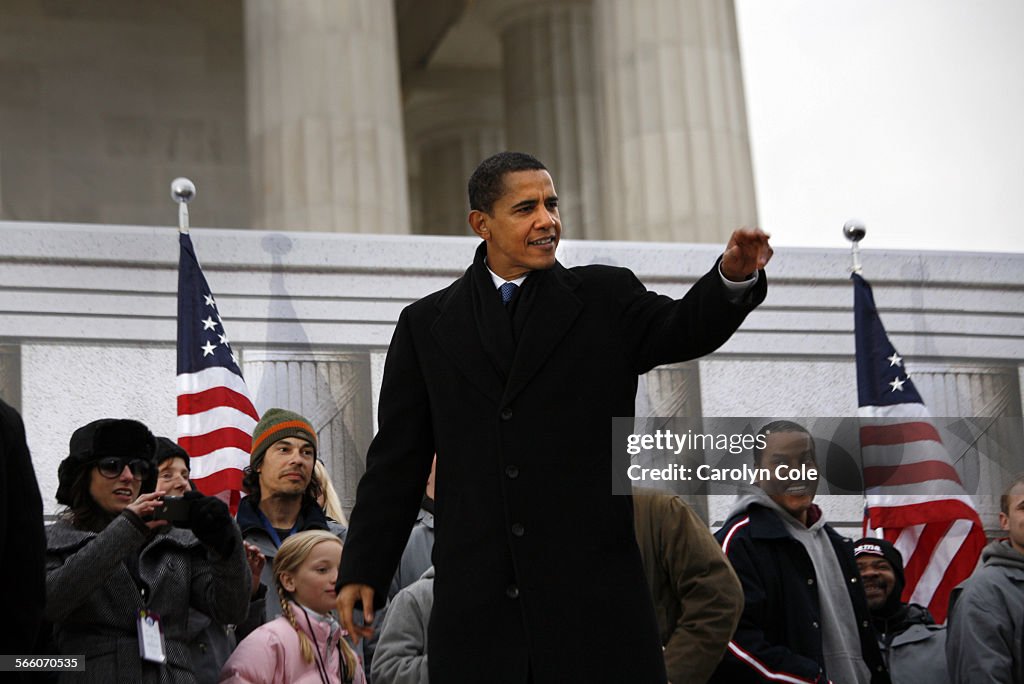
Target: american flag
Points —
{"points": [[914, 493], [216, 417]]}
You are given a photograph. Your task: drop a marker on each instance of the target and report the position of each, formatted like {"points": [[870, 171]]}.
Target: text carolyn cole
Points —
{"points": [[666, 440], [707, 473]]}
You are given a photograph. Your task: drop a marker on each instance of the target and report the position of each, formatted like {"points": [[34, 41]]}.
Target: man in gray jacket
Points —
{"points": [[912, 645], [986, 612], [401, 653]]}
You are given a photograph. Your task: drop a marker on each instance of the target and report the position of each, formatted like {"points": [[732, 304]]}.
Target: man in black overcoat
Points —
{"points": [[22, 540], [538, 574]]}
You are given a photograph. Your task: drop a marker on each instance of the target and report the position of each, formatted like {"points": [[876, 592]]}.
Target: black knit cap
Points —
{"points": [[118, 437], [167, 449], [869, 546]]}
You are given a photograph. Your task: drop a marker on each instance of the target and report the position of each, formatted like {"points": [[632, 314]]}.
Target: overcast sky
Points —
{"points": [[907, 114]]}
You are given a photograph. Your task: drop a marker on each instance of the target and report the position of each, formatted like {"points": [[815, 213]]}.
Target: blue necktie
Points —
{"points": [[508, 291]]}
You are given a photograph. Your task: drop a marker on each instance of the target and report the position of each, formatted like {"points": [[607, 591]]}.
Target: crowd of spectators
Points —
{"points": [[151, 581]]}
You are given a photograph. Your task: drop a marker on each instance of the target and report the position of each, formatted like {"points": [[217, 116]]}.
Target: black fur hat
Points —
{"points": [[121, 437]]}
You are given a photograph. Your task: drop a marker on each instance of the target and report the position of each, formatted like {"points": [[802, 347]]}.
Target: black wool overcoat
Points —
{"points": [[538, 574]]}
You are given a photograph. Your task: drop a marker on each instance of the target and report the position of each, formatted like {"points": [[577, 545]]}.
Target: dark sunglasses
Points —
{"points": [[113, 467]]}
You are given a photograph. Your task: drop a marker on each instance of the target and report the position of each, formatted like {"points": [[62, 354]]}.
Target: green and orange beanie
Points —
{"points": [[277, 424]]}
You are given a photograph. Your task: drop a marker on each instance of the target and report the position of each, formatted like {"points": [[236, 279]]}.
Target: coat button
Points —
{"points": [[506, 413], [518, 530], [512, 472], [853, 580], [810, 581], [814, 625], [512, 591]]}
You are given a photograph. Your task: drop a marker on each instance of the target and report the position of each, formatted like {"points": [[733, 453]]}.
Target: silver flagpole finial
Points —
{"points": [[182, 192], [854, 231]]}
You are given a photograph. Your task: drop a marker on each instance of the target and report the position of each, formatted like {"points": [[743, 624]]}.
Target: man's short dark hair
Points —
{"points": [[777, 426], [1004, 500], [487, 183]]}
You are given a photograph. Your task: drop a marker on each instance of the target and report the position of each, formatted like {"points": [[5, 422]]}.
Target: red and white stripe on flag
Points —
{"points": [[216, 419], [915, 496]]}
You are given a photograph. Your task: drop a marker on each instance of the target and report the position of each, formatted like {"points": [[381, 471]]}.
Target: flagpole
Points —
{"points": [[182, 192], [854, 231]]}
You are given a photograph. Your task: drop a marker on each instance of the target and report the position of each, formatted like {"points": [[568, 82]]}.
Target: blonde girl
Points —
{"points": [[305, 644]]}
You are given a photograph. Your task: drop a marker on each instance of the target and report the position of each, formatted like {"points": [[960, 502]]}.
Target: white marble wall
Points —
{"points": [[68, 384]]}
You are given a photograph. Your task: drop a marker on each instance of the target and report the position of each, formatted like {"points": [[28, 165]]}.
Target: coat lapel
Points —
{"points": [[458, 334], [548, 309], [476, 334]]}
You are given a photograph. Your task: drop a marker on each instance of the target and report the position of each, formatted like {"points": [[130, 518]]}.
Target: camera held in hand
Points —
{"points": [[175, 510]]}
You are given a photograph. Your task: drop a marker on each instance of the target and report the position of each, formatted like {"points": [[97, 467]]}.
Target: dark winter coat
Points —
{"points": [[537, 566], [94, 602], [22, 542], [779, 634], [913, 646], [697, 596]]}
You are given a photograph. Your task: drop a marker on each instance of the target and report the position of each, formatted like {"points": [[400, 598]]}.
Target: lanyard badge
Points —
{"points": [[151, 637]]}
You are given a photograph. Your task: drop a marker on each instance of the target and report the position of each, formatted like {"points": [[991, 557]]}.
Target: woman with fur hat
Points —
{"points": [[119, 584]]}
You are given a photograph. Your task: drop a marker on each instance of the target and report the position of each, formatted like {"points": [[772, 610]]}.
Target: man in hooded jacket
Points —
{"points": [[986, 612], [804, 617]]}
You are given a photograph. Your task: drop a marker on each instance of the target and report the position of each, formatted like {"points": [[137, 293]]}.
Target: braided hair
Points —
{"points": [[293, 553]]}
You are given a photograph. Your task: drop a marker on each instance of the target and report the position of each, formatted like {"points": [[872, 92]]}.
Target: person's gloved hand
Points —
{"points": [[211, 522], [192, 497]]}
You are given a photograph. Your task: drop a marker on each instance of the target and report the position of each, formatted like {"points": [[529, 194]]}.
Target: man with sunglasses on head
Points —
{"points": [[119, 583]]}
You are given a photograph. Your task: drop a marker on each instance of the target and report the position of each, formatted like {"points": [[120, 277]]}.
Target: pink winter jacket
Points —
{"points": [[271, 654]]}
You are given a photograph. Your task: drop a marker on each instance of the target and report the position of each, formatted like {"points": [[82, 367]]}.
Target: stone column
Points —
{"points": [[978, 411], [673, 391], [324, 116], [454, 120], [674, 134], [550, 104], [10, 374]]}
